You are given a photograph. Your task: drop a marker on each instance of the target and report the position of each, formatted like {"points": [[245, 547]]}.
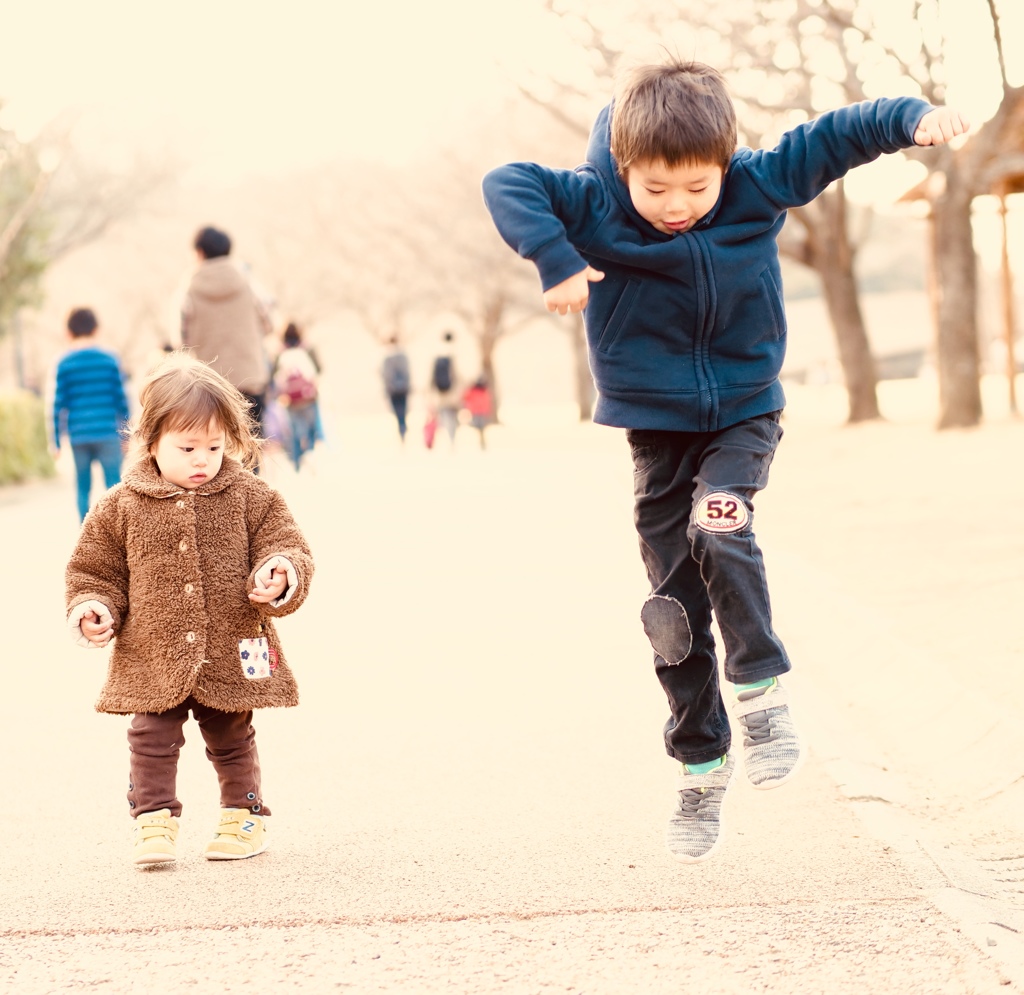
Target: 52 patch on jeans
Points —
{"points": [[720, 511]]}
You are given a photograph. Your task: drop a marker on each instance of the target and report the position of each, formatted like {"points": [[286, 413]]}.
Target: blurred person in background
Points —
{"points": [[479, 403], [224, 322], [296, 386], [444, 384], [90, 405], [397, 383]]}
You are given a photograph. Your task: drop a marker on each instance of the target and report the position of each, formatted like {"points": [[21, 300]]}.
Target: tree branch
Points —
{"points": [[998, 36]]}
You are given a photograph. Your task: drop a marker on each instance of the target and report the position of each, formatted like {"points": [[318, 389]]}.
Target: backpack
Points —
{"points": [[396, 374], [298, 388], [442, 378]]}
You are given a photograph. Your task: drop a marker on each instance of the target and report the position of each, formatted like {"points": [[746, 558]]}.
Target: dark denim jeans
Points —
{"points": [[400, 406], [302, 422], [106, 452], [694, 495]]}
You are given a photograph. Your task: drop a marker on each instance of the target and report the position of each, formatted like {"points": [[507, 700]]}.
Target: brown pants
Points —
{"points": [[156, 738]]}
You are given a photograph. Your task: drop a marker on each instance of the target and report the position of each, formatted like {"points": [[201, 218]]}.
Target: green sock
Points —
{"points": [[705, 768], [767, 682]]}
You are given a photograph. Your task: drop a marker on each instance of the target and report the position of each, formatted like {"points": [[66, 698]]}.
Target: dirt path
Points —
{"points": [[472, 794]]}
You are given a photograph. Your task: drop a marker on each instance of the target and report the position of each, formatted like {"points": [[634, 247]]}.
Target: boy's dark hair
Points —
{"points": [[212, 242], [675, 112], [82, 321], [292, 336]]}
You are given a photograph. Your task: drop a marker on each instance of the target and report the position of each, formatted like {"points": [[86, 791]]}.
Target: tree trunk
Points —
{"points": [[832, 256], [490, 332], [957, 349], [585, 391]]}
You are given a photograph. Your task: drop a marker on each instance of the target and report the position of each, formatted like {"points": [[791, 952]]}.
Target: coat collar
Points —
{"points": [[142, 476]]}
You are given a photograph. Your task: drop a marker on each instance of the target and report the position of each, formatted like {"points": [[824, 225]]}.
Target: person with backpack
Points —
{"points": [[295, 377], [397, 383], [443, 380]]}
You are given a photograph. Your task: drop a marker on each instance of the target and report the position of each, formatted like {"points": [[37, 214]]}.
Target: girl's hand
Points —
{"points": [[940, 125], [572, 295], [97, 629], [271, 582]]}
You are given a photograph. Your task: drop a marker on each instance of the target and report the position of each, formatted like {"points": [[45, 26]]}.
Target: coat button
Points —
{"points": [[190, 637], [180, 504], [183, 545], [189, 588]]}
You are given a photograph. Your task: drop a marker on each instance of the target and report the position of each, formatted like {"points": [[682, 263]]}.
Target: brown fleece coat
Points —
{"points": [[175, 568]]}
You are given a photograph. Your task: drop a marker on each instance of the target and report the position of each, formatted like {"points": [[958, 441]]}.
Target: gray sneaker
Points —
{"points": [[771, 746], [695, 828]]}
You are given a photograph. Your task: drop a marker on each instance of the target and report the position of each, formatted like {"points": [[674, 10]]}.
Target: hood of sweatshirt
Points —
{"points": [[218, 280]]}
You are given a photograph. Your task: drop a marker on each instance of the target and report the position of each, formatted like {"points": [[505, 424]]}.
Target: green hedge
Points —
{"points": [[24, 448]]}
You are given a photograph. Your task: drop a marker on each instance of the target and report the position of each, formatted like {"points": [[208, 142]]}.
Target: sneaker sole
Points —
{"points": [[218, 855], [153, 858]]}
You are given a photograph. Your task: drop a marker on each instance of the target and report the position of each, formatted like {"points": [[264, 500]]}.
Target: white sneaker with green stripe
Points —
{"points": [[771, 746], [695, 827]]}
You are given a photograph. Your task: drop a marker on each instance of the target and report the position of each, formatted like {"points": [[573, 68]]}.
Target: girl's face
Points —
{"points": [[190, 457]]}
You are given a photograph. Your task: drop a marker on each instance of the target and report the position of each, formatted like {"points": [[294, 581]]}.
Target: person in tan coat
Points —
{"points": [[184, 565], [223, 320]]}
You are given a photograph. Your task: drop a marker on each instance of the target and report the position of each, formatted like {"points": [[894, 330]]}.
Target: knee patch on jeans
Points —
{"points": [[720, 512], [667, 628]]}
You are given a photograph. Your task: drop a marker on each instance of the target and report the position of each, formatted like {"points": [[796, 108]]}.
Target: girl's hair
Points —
{"points": [[183, 393]]}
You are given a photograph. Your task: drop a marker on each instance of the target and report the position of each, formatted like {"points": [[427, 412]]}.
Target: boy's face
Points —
{"points": [[190, 457], [673, 198]]}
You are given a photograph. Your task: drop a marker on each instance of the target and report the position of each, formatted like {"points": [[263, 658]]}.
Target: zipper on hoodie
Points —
{"points": [[706, 394]]}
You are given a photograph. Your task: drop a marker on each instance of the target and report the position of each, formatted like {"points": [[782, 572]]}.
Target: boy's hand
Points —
{"points": [[940, 125], [270, 582], [571, 295], [96, 629]]}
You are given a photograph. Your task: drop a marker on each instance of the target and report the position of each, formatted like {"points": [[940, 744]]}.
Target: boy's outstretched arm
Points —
{"points": [[812, 155], [940, 125]]}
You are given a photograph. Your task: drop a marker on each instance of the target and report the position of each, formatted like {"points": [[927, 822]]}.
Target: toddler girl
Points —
{"points": [[184, 564]]}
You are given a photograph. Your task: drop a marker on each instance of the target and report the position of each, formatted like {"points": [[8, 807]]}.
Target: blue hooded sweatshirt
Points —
{"points": [[687, 331]]}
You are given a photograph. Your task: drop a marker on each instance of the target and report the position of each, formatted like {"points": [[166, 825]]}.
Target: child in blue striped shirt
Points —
{"points": [[89, 405]]}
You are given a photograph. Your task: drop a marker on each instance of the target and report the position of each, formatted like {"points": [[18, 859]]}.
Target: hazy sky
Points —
{"points": [[267, 83], [263, 85]]}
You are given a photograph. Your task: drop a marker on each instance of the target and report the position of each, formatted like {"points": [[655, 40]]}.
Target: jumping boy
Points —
{"points": [[666, 235]]}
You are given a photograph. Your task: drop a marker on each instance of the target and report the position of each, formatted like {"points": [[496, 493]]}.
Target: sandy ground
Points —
{"points": [[472, 795]]}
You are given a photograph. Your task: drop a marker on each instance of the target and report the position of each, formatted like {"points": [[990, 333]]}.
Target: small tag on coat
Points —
{"points": [[255, 657]]}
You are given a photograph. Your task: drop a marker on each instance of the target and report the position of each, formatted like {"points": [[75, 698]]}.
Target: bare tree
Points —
{"points": [[473, 273], [23, 186], [53, 200], [965, 173], [787, 60]]}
